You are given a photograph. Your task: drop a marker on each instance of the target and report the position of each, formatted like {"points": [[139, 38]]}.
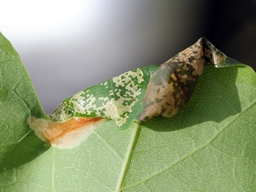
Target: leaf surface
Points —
{"points": [[209, 146], [18, 100]]}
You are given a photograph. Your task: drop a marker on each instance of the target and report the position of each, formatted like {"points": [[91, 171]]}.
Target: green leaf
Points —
{"points": [[209, 146], [18, 144]]}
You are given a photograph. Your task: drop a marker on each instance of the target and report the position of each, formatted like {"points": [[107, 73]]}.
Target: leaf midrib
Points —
{"points": [[134, 136]]}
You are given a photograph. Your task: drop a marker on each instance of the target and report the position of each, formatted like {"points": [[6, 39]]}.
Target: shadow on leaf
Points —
{"points": [[215, 99]]}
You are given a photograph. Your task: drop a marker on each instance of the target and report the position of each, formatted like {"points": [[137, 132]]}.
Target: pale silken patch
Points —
{"points": [[66, 134]]}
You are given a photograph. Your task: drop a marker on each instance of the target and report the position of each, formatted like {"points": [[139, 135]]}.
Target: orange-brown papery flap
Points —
{"points": [[66, 134]]}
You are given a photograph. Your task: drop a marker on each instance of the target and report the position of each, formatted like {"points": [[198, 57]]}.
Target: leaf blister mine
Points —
{"points": [[114, 99], [169, 88]]}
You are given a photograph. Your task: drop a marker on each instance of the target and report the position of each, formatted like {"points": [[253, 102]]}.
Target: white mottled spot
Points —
{"points": [[116, 105]]}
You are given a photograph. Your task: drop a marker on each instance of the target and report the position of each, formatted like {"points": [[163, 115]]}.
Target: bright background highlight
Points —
{"points": [[70, 45]]}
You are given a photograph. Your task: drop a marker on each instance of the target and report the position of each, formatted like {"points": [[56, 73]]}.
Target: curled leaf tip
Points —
{"points": [[172, 84]]}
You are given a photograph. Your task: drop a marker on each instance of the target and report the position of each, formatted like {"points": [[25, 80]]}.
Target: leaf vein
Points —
{"points": [[109, 146], [192, 152], [128, 156]]}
